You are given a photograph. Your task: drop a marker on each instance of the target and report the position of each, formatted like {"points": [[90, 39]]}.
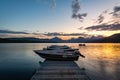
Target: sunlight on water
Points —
{"points": [[102, 61]]}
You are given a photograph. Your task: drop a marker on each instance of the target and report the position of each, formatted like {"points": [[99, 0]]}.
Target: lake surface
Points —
{"points": [[19, 62]]}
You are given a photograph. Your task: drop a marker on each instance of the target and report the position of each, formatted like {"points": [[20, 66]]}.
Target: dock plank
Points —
{"points": [[59, 70]]}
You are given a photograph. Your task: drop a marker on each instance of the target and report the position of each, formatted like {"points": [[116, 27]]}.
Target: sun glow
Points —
{"points": [[103, 33], [68, 37]]}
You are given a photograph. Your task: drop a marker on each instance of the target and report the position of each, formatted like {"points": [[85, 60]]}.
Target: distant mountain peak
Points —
{"points": [[56, 39]]}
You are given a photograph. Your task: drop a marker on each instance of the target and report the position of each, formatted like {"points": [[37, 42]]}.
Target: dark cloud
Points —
{"points": [[52, 34], [75, 6], [116, 8], [81, 28], [64, 34], [104, 27], [116, 12], [81, 16], [115, 15], [101, 17], [12, 32], [75, 10], [112, 25]]}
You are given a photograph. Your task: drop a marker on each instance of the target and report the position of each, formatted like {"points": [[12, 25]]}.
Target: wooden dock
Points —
{"points": [[60, 70]]}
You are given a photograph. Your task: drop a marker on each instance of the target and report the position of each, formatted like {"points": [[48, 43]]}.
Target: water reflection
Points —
{"points": [[18, 61], [102, 61]]}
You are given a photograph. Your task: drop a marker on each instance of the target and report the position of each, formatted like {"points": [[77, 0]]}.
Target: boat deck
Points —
{"points": [[57, 52], [59, 70]]}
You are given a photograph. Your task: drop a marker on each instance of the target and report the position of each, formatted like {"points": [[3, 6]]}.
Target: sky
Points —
{"points": [[61, 18]]}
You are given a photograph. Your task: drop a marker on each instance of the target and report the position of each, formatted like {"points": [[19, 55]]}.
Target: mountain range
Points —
{"points": [[115, 38]]}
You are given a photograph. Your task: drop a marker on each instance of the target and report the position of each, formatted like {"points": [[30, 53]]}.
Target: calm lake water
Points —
{"points": [[19, 62]]}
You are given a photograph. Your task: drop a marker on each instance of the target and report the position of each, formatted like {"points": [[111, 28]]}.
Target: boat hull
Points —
{"points": [[58, 57]]}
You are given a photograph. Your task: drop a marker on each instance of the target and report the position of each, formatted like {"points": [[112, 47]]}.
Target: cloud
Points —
{"points": [[114, 15], [116, 8], [75, 6], [81, 28], [116, 11], [64, 34], [104, 27], [53, 4], [17, 34], [12, 32], [75, 10], [108, 20], [101, 17], [81, 16]]}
